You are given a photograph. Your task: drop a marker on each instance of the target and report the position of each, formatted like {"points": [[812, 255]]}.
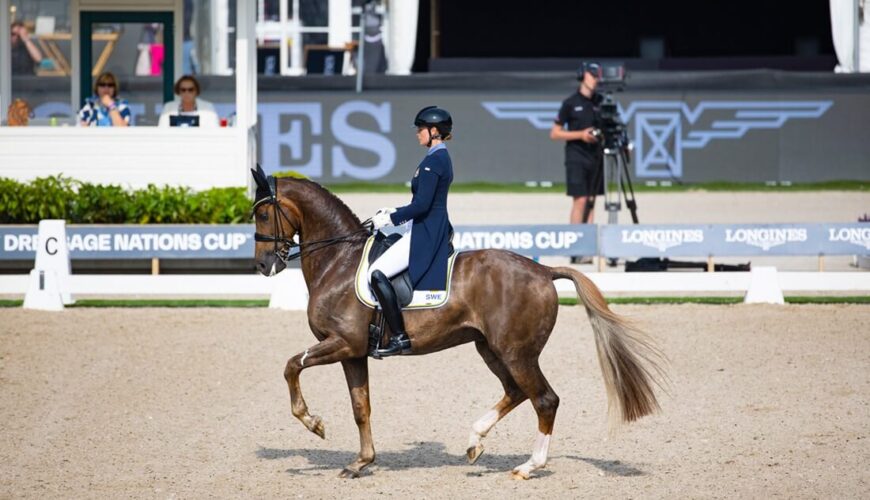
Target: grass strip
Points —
{"points": [[565, 301], [855, 299], [171, 303], [572, 301]]}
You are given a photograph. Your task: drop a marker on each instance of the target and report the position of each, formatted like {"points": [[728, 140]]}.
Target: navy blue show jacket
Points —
{"points": [[431, 231]]}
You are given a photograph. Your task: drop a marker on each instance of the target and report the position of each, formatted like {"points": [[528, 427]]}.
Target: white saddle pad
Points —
{"points": [[422, 299]]}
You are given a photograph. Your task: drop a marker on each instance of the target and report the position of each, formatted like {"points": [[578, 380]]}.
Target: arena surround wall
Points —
{"points": [[734, 126]]}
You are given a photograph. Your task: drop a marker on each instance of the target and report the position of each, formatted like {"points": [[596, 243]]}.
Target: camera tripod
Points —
{"points": [[613, 173]]}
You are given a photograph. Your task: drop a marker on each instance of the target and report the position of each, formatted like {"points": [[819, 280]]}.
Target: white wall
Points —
{"points": [[131, 157]]}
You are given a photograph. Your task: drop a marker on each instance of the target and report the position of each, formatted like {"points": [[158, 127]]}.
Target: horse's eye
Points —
{"points": [[264, 216]]}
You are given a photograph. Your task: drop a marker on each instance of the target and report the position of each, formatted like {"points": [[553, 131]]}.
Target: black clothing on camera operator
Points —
{"points": [[576, 124]]}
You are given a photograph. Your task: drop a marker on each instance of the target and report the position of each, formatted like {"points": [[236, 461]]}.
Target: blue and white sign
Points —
{"points": [[649, 241], [735, 240], [235, 241], [532, 240], [227, 241]]}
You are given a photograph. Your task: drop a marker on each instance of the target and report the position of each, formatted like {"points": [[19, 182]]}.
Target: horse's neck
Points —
{"points": [[324, 218], [334, 264]]}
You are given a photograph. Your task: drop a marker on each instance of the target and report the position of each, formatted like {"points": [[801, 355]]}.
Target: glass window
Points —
{"points": [[132, 51], [40, 47], [136, 55]]}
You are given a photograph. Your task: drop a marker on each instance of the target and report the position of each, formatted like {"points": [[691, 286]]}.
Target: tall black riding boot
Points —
{"points": [[399, 341]]}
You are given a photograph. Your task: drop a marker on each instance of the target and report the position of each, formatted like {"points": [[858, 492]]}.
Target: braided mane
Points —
{"points": [[327, 205]]}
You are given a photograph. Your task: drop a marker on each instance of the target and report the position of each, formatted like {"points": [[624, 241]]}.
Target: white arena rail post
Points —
{"points": [[290, 291], [48, 288], [764, 287]]}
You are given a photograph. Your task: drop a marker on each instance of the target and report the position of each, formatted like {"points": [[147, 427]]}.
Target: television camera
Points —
{"points": [[609, 125], [612, 134]]}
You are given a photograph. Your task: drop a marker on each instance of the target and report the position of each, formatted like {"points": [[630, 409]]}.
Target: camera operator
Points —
{"points": [[576, 125]]}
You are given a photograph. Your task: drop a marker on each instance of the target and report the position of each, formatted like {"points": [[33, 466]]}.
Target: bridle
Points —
{"points": [[284, 245]]}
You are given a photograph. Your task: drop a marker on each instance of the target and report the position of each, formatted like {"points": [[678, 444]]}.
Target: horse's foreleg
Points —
{"points": [[513, 396], [356, 371], [331, 350]]}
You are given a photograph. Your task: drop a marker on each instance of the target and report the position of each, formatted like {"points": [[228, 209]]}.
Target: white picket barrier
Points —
{"points": [[289, 292], [291, 281], [48, 286], [764, 287]]}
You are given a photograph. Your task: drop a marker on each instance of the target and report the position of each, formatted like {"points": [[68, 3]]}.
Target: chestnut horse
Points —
{"points": [[504, 303]]}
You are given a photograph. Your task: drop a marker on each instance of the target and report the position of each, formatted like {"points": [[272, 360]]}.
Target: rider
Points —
{"points": [[425, 247]]}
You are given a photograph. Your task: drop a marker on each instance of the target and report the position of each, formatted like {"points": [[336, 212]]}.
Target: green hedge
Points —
{"points": [[79, 202]]}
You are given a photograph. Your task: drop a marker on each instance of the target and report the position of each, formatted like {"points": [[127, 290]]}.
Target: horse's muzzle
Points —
{"points": [[270, 265]]}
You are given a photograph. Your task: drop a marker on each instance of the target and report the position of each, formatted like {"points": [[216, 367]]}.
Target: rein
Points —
{"points": [[284, 245]]}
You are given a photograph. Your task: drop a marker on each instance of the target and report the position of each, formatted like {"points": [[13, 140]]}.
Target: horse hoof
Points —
{"points": [[519, 475], [318, 427], [473, 453], [348, 474]]}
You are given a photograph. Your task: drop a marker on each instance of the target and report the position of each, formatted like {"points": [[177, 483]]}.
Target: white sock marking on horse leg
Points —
{"points": [[539, 456], [481, 427], [302, 361]]}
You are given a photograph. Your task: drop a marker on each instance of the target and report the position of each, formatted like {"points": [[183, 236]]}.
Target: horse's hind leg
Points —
{"points": [[528, 376], [328, 351], [356, 371], [513, 396]]}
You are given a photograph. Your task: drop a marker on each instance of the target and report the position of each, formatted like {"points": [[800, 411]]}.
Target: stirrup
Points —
{"points": [[399, 344], [376, 331]]}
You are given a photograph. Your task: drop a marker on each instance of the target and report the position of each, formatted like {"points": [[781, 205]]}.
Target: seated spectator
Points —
{"points": [[25, 54], [104, 108], [188, 103], [19, 113]]}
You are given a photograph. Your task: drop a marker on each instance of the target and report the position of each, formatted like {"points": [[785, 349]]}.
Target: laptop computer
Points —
{"points": [[184, 121]]}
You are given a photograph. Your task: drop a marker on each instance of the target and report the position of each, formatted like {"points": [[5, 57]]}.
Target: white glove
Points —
{"points": [[381, 219], [385, 210]]}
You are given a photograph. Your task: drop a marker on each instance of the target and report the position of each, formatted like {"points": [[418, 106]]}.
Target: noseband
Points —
{"points": [[283, 244]]}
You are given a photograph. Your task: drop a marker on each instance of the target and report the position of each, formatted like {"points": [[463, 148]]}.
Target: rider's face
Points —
{"points": [[422, 136]]}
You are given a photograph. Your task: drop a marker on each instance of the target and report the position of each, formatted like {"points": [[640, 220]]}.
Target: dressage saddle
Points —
{"points": [[402, 281], [402, 286]]}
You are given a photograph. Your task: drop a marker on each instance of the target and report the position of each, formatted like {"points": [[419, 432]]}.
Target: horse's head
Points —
{"points": [[277, 222]]}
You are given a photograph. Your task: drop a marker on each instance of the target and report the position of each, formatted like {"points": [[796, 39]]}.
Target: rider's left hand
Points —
{"points": [[381, 219]]}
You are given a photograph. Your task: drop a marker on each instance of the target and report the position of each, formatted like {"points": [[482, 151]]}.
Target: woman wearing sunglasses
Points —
{"points": [[104, 108], [188, 103]]}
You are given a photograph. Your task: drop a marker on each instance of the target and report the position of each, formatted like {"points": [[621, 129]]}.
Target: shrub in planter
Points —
{"points": [[60, 197]]}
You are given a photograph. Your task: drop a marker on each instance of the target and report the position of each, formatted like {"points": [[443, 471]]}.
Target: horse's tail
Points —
{"points": [[630, 362]]}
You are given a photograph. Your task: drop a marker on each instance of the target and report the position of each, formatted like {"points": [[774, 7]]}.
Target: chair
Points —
{"points": [[324, 59]]}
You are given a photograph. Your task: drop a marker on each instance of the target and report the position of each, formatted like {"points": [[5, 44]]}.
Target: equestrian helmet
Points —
{"points": [[433, 116]]}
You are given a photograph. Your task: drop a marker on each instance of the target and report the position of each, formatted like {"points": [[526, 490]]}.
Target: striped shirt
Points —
{"points": [[94, 114]]}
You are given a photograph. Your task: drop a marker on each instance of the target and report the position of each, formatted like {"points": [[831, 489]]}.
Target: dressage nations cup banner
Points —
{"points": [[236, 241], [228, 241], [683, 127], [580, 239]]}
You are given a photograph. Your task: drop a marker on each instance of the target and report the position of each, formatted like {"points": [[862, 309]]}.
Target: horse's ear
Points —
{"points": [[264, 189], [260, 178]]}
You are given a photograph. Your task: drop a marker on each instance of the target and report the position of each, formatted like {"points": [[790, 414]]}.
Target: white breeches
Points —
{"points": [[395, 259]]}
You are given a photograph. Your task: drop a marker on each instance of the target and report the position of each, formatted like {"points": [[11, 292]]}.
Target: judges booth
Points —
{"points": [[134, 156]]}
